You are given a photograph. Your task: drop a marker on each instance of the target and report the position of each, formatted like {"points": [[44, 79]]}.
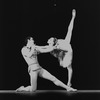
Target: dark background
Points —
{"points": [[42, 19]]}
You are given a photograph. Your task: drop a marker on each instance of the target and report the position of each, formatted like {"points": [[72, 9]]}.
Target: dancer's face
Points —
{"points": [[51, 41], [30, 42]]}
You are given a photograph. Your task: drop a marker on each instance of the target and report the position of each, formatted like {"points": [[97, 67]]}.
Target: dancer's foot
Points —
{"points": [[74, 12], [25, 89], [20, 89], [69, 89]]}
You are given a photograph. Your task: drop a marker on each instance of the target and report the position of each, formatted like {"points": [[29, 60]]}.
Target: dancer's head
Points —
{"points": [[52, 41], [29, 41]]}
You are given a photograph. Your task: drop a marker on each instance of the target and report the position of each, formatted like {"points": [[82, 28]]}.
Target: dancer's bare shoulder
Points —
{"points": [[24, 50]]}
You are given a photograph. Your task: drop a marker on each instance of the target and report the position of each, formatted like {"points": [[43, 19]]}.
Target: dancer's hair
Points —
{"points": [[27, 38]]}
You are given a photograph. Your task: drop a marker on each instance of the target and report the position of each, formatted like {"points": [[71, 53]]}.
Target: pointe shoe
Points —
{"points": [[74, 12], [20, 88], [69, 89]]}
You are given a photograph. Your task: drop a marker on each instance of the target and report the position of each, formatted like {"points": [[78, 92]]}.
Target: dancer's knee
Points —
{"points": [[56, 82], [69, 67], [53, 79], [67, 64]]}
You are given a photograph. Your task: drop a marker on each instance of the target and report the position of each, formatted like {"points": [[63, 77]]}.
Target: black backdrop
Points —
{"points": [[42, 19]]}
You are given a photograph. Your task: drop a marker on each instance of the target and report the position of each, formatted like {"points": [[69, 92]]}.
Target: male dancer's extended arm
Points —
{"points": [[45, 49]]}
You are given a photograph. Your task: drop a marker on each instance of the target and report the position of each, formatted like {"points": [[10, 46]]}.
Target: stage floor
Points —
{"points": [[50, 94], [53, 91]]}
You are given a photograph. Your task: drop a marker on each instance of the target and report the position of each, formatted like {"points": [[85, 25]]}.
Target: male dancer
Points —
{"points": [[29, 53], [64, 50]]}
